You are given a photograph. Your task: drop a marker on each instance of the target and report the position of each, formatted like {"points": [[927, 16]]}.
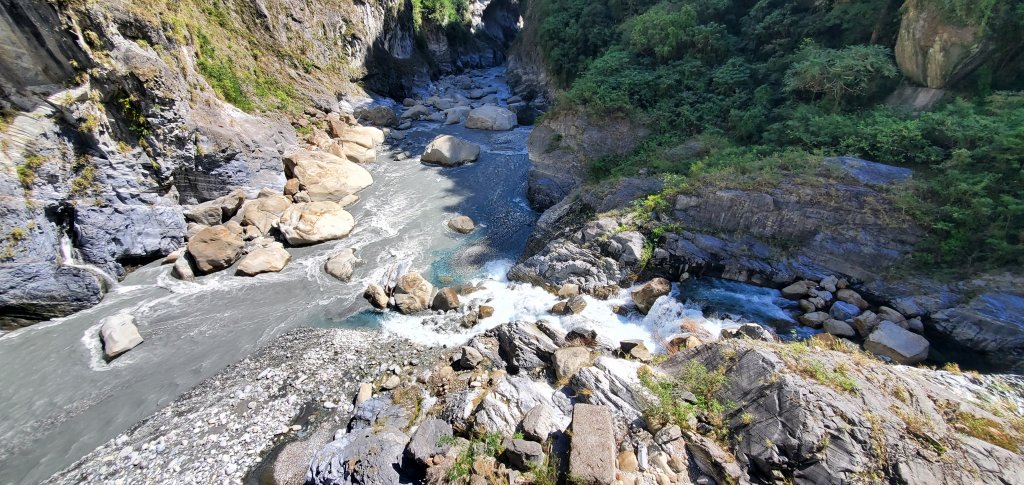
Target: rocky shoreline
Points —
{"points": [[528, 402]]}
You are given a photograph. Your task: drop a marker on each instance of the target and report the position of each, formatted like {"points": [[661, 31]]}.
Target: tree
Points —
{"points": [[839, 74]]}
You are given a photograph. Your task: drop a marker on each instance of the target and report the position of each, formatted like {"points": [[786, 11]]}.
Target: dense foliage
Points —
{"points": [[766, 85]]}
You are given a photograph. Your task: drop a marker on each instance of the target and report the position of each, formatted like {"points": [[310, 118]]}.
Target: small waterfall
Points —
{"points": [[70, 256]]}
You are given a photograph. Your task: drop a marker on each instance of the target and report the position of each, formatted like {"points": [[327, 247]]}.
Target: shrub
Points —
{"points": [[839, 74]]}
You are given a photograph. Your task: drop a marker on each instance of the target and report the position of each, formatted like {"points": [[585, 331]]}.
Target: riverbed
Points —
{"points": [[62, 400]]}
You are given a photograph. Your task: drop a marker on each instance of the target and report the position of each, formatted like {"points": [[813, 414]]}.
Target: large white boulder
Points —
{"points": [[901, 345], [119, 335], [324, 176], [491, 117], [315, 222], [448, 151], [270, 259]]}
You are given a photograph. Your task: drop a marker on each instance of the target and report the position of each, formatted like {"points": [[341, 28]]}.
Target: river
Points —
{"points": [[61, 400]]}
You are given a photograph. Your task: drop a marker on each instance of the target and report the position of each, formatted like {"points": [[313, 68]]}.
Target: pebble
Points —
{"points": [[329, 405]]}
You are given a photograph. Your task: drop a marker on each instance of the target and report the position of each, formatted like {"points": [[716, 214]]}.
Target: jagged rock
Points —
{"points": [[325, 177], [523, 454], [751, 331], [376, 296], [843, 311], [143, 233], [506, 405], [449, 151], [362, 456], [119, 335], [461, 224], [214, 249], [635, 349], [592, 450], [712, 459], [566, 262], [364, 394], [523, 346], [342, 264], [646, 295], [315, 222], [491, 118], [567, 361], [814, 319], [207, 214], [839, 328], [612, 383], [430, 439], [540, 422], [572, 306], [586, 337], [264, 260], [865, 323], [934, 50], [853, 298], [896, 343]]}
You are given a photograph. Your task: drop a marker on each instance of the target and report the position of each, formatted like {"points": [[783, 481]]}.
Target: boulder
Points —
{"points": [[456, 115], [212, 213], [379, 116], [865, 323], [119, 335], [461, 224], [853, 298], [412, 293], [523, 454], [645, 296], [324, 176], [416, 112], [843, 311], [429, 440], [491, 118], [539, 422], [184, 268], [265, 213], [270, 259], [364, 136], [486, 311], [797, 290], [366, 456], [469, 358], [449, 151], [342, 264], [353, 152], [896, 343], [839, 328], [629, 246], [814, 319], [635, 349], [376, 296], [315, 222], [750, 331], [445, 300], [524, 346], [568, 290], [569, 360], [214, 249], [886, 313], [592, 448]]}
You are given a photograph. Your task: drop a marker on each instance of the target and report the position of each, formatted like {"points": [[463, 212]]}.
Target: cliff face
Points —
{"points": [[115, 113], [937, 47]]}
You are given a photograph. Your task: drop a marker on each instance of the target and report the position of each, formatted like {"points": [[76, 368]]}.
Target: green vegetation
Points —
{"points": [[670, 407], [763, 90], [440, 12], [27, 170], [10, 243], [988, 430], [489, 444]]}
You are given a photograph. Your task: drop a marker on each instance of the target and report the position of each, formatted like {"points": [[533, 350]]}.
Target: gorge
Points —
{"points": [[432, 241]]}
